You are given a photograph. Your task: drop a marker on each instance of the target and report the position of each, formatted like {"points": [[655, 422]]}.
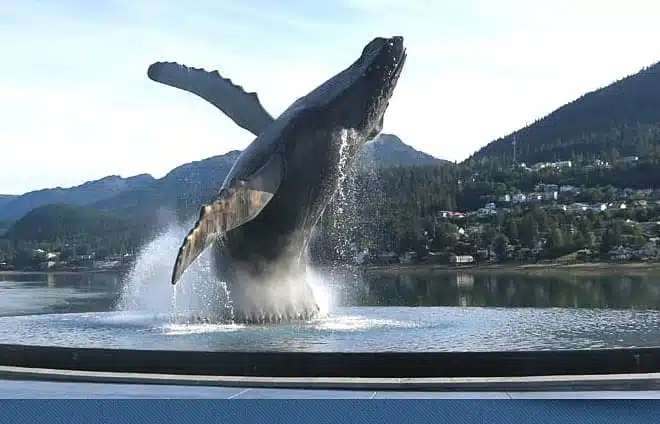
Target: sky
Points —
{"points": [[76, 104]]}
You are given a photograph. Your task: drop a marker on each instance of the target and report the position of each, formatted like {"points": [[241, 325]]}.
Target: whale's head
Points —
{"points": [[373, 78], [357, 97]]}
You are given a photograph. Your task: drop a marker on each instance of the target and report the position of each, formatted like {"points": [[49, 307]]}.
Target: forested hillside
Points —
{"points": [[621, 119], [15, 207], [604, 203], [61, 227]]}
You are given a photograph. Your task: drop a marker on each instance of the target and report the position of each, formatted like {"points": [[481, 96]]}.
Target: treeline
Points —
{"points": [[396, 210], [621, 119], [384, 209], [609, 144], [72, 231]]}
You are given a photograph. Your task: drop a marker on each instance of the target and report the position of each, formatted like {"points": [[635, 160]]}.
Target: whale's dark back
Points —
{"points": [[311, 179], [329, 124]]}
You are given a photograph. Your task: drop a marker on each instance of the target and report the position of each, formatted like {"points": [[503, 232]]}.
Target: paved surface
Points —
{"points": [[609, 382], [14, 389], [21, 382]]}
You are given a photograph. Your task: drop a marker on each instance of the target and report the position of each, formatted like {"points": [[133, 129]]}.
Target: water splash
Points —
{"points": [[175, 289], [343, 201], [323, 291], [147, 287], [199, 293], [341, 167]]}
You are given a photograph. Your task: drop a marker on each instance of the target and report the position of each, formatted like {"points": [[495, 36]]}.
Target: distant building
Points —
{"points": [[617, 205], [540, 165], [577, 207], [461, 260], [482, 212], [549, 195]]}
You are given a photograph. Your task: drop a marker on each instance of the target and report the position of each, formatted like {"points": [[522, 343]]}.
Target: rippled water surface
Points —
{"points": [[448, 312]]}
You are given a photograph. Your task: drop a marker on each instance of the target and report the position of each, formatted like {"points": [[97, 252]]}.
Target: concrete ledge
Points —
{"points": [[378, 365], [620, 382]]}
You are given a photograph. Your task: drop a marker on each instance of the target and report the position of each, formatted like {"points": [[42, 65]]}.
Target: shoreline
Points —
{"points": [[66, 272], [576, 268]]}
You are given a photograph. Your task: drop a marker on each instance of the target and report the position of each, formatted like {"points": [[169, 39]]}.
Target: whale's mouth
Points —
{"points": [[399, 55], [399, 65], [397, 47]]}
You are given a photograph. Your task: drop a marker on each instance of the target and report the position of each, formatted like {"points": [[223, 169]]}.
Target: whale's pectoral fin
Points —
{"points": [[243, 108], [236, 205]]}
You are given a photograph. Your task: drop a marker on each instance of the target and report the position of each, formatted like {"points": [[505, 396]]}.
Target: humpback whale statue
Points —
{"points": [[260, 223]]}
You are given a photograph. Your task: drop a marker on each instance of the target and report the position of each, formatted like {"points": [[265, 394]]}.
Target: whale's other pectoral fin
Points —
{"points": [[236, 205], [242, 107]]}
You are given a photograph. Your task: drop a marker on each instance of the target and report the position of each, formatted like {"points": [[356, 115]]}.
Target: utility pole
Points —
{"points": [[514, 150]]}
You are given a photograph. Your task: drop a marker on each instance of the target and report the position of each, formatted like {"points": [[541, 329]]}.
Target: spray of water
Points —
{"points": [[147, 286], [323, 290], [343, 202], [199, 292]]}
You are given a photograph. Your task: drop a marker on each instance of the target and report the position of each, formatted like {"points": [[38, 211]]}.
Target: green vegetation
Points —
{"points": [[405, 208], [68, 233], [601, 153], [622, 119], [603, 147]]}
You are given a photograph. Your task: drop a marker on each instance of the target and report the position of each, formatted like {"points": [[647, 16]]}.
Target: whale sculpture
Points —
{"points": [[260, 223]]}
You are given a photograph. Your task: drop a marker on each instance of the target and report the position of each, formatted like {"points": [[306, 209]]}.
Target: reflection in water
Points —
{"points": [[89, 292], [24, 294], [459, 312], [503, 290]]}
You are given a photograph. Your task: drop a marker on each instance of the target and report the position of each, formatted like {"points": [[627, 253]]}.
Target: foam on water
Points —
{"points": [[187, 329], [327, 323], [361, 323]]}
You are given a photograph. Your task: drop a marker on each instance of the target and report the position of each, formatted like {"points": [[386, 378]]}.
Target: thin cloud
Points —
{"points": [[75, 102]]}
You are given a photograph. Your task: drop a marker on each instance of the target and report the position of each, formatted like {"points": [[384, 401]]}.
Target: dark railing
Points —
{"points": [[335, 364]]}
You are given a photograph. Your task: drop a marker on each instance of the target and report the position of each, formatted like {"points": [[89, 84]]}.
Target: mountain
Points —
{"points": [[6, 198], [185, 187], [78, 224], [181, 188], [388, 150], [84, 194], [621, 119]]}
